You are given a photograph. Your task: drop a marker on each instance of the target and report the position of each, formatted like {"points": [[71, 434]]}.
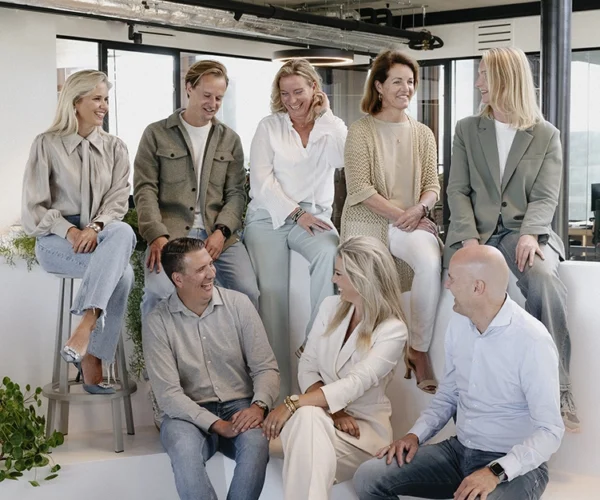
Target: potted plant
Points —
{"points": [[23, 442]]}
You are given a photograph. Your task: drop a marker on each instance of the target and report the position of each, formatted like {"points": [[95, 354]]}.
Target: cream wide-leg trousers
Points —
{"points": [[315, 456]]}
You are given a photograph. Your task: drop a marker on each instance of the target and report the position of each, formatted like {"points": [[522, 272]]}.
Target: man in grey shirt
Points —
{"points": [[213, 373]]}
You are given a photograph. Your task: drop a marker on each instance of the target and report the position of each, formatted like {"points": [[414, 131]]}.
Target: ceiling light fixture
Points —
{"points": [[317, 57]]}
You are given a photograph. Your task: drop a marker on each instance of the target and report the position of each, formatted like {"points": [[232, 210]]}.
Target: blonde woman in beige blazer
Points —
{"points": [[353, 348], [392, 184]]}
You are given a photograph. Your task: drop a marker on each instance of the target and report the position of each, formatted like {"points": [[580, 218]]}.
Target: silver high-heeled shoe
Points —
{"points": [[70, 355]]}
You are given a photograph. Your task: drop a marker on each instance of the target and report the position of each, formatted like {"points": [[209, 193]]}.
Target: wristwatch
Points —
{"points": [[426, 210], [224, 229], [498, 471], [262, 405]]}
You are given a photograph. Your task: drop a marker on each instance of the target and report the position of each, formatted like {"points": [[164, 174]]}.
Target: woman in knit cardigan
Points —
{"points": [[392, 183]]}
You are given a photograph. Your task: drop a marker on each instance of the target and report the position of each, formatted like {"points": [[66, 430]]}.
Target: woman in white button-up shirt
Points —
{"points": [[293, 156], [343, 417], [75, 193]]}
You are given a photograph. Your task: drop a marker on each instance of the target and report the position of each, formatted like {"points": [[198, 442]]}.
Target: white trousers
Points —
{"points": [[314, 456], [421, 251]]}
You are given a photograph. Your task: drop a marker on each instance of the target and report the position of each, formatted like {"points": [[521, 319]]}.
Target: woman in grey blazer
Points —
{"points": [[503, 190]]}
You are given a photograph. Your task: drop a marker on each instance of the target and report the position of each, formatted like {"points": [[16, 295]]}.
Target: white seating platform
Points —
{"points": [[91, 470]]}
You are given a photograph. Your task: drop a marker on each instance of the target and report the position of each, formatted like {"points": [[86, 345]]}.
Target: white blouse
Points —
{"points": [[355, 379], [284, 173]]}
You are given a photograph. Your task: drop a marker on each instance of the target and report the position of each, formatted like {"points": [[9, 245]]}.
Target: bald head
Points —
{"points": [[483, 263]]}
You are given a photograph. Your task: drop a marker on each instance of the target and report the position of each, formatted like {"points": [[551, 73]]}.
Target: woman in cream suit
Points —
{"points": [[343, 416]]}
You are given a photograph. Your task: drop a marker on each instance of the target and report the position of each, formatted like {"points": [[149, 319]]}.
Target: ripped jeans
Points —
{"points": [[106, 279]]}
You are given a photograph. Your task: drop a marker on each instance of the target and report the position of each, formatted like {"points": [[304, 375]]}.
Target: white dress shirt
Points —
{"points": [[284, 173], [503, 386], [355, 379]]}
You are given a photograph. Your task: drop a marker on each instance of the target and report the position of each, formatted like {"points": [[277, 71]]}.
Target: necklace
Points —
{"points": [[393, 129]]}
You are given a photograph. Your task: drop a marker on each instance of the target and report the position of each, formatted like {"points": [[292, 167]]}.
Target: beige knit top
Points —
{"points": [[365, 176]]}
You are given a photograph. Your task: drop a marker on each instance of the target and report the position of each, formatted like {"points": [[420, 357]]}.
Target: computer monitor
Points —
{"points": [[595, 197]]}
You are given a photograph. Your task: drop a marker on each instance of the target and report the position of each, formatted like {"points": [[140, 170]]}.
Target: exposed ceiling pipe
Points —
{"points": [[373, 15], [273, 12]]}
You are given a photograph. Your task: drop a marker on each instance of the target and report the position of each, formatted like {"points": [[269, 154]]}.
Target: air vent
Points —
{"points": [[493, 34]]}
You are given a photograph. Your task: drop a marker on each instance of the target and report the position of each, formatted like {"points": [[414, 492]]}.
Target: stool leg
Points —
{"points": [[117, 426], [63, 385], [124, 378], [57, 359]]}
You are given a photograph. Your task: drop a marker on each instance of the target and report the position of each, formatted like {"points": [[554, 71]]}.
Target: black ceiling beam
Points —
{"points": [[483, 14], [268, 11]]}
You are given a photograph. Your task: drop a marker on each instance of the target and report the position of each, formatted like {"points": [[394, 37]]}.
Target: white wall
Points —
{"points": [[27, 98], [459, 39]]}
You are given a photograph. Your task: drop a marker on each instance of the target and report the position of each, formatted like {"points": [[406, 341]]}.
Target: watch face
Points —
{"points": [[295, 397], [497, 469]]}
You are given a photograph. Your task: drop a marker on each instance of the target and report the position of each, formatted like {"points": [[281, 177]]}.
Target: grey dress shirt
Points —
{"points": [[221, 356]]}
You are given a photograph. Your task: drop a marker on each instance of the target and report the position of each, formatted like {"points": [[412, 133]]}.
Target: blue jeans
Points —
{"points": [[437, 470], [106, 279], [233, 267], [189, 448]]}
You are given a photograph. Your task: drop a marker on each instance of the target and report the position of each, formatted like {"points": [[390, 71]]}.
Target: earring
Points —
{"points": [[380, 97]]}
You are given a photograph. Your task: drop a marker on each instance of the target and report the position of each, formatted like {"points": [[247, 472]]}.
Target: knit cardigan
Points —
{"points": [[364, 168]]}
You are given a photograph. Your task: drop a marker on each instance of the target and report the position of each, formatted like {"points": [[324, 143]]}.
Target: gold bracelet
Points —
{"points": [[290, 406]]}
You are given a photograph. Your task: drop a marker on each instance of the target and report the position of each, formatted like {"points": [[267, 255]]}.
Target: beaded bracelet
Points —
{"points": [[297, 214]]}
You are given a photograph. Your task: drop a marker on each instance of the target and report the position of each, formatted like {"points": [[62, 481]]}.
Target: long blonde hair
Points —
{"points": [[511, 88], [78, 85], [300, 67], [372, 271]]}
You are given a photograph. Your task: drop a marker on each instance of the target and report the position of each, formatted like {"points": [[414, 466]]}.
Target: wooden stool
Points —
{"points": [[58, 391]]}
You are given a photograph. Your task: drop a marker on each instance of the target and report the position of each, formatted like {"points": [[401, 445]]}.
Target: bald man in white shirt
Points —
{"points": [[501, 381]]}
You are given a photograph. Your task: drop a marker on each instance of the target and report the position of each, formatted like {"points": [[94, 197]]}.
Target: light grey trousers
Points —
{"points": [[269, 251], [545, 294], [106, 279]]}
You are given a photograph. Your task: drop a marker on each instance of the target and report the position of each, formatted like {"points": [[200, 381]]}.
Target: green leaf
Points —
{"points": [[19, 465], [51, 476], [38, 459], [45, 461], [34, 483], [15, 474], [27, 387], [16, 439], [5, 380], [8, 463], [56, 468], [38, 390], [17, 452], [7, 447], [2, 475], [39, 402]]}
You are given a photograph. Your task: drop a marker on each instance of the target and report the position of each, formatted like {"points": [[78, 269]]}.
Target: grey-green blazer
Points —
{"points": [[527, 196], [164, 181]]}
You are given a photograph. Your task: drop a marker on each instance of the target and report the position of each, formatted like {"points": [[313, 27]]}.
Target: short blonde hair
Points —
{"points": [[371, 269], [205, 67], [77, 86], [511, 88], [300, 67], [380, 69]]}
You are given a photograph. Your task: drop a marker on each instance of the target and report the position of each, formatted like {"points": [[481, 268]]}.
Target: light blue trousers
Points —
{"points": [[269, 251], [233, 267], [106, 279]]}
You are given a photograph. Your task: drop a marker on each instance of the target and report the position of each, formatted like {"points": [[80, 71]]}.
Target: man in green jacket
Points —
{"points": [[189, 180]]}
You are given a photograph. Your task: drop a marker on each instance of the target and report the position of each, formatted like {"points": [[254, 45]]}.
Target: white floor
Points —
{"points": [[91, 471]]}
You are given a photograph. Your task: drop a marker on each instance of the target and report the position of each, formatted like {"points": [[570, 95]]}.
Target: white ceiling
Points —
{"points": [[408, 6]]}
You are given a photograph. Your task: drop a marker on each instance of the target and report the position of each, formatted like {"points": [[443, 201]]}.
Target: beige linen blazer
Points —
{"points": [[527, 195], [355, 380]]}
